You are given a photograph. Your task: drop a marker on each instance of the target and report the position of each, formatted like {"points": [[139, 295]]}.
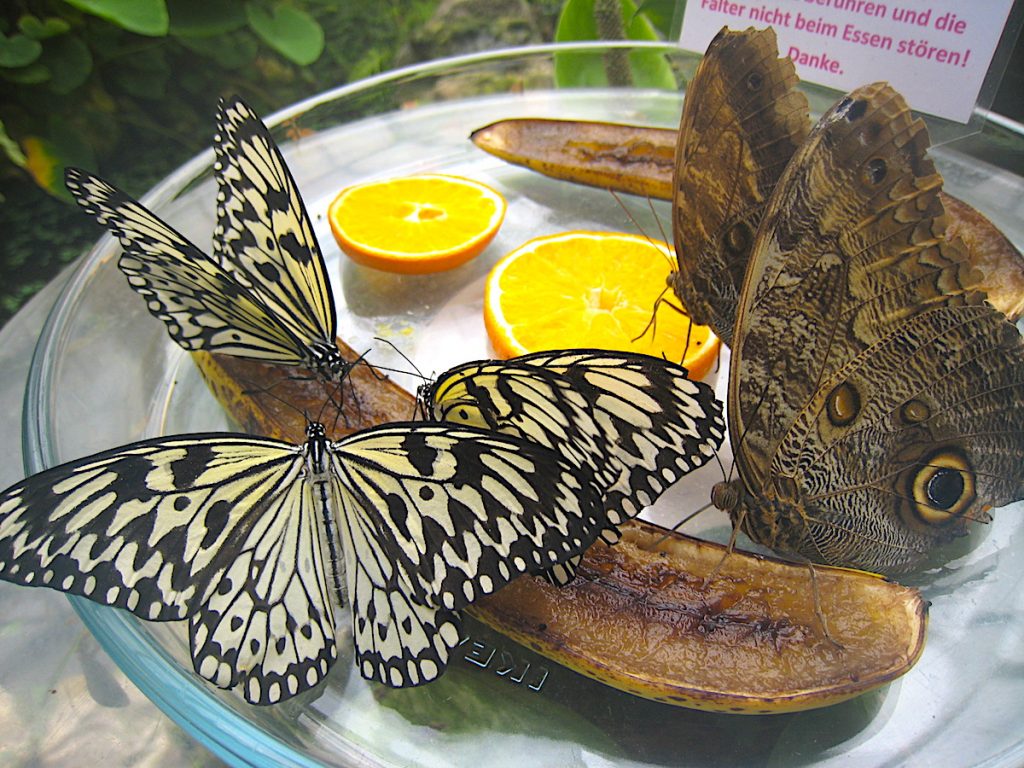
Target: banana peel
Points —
{"points": [[626, 158], [639, 160], [639, 617]]}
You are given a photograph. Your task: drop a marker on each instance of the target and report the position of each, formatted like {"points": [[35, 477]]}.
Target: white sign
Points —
{"points": [[935, 52]]}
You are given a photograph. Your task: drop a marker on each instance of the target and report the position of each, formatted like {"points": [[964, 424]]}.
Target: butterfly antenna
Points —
{"points": [[278, 398], [629, 214], [419, 411], [336, 399], [652, 324], [639, 228], [689, 336], [416, 372], [660, 227], [354, 392], [721, 466]]}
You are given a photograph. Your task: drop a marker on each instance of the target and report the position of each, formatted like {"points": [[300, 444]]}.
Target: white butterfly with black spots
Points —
{"points": [[264, 294], [254, 540], [638, 422]]}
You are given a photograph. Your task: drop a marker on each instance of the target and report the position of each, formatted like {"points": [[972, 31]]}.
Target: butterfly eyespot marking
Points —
{"points": [[738, 237], [874, 172], [842, 404], [915, 411], [942, 487], [755, 80]]}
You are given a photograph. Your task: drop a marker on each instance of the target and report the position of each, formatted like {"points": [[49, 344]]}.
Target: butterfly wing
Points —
{"points": [[204, 527], [525, 401], [264, 234], [656, 423], [203, 306], [434, 517], [637, 421], [742, 120], [877, 398]]}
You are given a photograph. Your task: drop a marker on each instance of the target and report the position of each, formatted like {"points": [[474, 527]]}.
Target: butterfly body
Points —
{"points": [[254, 541], [873, 393]]}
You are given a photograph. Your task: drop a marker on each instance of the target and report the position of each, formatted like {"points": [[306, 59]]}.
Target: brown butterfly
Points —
{"points": [[876, 401]]}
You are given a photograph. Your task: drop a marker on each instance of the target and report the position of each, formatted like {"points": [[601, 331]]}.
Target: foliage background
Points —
{"points": [[128, 89]]}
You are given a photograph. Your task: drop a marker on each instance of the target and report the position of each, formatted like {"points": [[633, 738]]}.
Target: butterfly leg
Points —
{"points": [[710, 578], [658, 542], [820, 614], [652, 324]]}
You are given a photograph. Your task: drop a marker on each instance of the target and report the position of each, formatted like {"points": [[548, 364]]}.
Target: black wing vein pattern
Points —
{"points": [[637, 421], [263, 231], [264, 294]]}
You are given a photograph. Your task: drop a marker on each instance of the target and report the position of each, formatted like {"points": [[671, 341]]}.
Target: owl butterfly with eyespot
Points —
{"points": [[874, 397]]}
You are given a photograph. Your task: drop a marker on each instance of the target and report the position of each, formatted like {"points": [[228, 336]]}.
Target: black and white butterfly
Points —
{"points": [[637, 422], [254, 540], [264, 294]]}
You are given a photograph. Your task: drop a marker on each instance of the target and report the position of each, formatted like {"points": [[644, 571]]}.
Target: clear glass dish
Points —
{"points": [[106, 373]]}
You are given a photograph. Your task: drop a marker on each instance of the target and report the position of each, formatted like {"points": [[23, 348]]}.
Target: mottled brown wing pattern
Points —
{"points": [[742, 121], [876, 396]]}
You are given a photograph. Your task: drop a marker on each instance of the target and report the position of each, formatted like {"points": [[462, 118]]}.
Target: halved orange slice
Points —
{"points": [[591, 289], [416, 224]]}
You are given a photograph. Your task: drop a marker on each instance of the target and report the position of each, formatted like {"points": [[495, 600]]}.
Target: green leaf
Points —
{"points": [[576, 22], [18, 51], [42, 29], [69, 62], [147, 79], [48, 156], [661, 14], [10, 148], [204, 18], [33, 74], [145, 17], [290, 31], [70, 145], [645, 69]]}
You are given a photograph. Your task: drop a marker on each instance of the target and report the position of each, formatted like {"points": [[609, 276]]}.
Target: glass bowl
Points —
{"points": [[106, 373]]}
